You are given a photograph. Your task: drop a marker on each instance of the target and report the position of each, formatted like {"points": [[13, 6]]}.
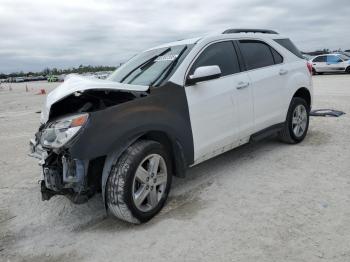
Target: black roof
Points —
{"points": [[264, 31]]}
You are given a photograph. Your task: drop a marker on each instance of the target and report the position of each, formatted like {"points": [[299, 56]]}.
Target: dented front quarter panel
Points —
{"points": [[165, 109], [111, 130]]}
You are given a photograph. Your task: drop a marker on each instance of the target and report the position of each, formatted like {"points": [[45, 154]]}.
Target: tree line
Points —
{"points": [[55, 71]]}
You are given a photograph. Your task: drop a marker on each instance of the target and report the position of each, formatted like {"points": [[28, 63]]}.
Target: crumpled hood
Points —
{"points": [[74, 83]]}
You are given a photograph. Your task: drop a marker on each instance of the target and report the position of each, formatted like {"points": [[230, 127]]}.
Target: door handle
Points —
{"points": [[242, 85], [283, 72], [314, 64]]}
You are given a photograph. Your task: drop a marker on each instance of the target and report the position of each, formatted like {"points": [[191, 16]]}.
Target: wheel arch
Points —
{"points": [[305, 94], [172, 145]]}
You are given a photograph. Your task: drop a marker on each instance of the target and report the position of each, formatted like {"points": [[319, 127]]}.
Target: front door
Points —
{"points": [[215, 105], [335, 64]]}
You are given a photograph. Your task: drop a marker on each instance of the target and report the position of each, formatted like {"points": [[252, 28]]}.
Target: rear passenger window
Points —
{"points": [[256, 54], [221, 54], [286, 43], [320, 59]]}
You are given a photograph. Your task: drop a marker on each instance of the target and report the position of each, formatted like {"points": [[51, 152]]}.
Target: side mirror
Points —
{"points": [[204, 73]]}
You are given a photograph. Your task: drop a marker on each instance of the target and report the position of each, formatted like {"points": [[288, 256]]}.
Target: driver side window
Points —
{"points": [[221, 54]]}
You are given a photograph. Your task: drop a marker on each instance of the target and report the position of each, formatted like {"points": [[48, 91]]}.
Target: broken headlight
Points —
{"points": [[61, 131]]}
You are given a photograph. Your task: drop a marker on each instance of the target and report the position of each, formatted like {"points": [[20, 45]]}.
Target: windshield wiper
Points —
{"points": [[144, 64], [169, 68]]}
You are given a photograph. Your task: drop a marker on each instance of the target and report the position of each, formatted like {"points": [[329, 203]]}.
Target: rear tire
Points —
{"points": [[139, 182], [297, 122]]}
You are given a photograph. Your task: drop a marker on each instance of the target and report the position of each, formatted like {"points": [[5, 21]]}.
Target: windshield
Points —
{"points": [[151, 67]]}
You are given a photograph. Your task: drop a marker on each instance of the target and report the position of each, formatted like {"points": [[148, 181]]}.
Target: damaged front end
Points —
{"points": [[66, 115], [62, 175]]}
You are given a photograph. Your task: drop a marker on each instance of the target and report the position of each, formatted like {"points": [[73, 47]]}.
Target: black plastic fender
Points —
{"points": [[110, 131], [165, 110]]}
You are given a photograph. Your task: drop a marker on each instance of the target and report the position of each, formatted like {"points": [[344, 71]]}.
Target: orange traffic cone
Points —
{"points": [[42, 92]]}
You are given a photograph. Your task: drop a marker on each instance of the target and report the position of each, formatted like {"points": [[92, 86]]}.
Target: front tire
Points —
{"points": [[139, 183], [297, 122], [348, 70]]}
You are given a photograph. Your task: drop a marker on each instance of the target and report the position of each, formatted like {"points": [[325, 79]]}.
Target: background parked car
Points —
{"points": [[19, 79], [330, 63]]}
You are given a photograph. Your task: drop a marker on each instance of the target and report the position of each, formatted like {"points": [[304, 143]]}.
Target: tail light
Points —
{"points": [[309, 67]]}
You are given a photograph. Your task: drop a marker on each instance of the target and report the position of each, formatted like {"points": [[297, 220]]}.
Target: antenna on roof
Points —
{"points": [[263, 31]]}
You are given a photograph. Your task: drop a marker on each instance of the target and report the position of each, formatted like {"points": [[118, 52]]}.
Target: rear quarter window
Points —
{"points": [[286, 43], [276, 56]]}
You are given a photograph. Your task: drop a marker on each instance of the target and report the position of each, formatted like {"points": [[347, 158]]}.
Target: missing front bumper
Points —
{"points": [[62, 175]]}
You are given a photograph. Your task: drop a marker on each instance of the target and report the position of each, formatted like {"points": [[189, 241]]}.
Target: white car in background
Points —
{"points": [[330, 63]]}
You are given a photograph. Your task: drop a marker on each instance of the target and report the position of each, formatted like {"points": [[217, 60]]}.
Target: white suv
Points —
{"points": [[330, 63], [167, 109]]}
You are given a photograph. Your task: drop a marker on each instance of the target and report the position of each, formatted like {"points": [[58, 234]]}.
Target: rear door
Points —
{"points": [[216, 106], [319, 63], [268, 76]]}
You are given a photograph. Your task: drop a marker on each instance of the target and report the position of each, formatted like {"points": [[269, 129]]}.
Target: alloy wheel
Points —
{"points": [[299, 120], [149, 182]]}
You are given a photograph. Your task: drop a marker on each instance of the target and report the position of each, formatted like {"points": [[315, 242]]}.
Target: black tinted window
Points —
{"points": [[320, 59], [256, 54], [276, 56], [222, 54], [286, 43]]}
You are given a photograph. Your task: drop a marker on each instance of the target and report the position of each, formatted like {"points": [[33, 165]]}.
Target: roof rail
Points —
{"points": [[263, 31]]}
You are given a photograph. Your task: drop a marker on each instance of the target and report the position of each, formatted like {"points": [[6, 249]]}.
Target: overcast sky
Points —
{"points": [[35, 34]]}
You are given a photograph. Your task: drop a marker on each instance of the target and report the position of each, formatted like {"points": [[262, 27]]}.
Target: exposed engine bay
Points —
{"points": [[63, 175], [91, 100]]}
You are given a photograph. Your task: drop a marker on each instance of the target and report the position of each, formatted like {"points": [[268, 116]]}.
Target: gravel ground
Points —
{"points": [[261, 202]]}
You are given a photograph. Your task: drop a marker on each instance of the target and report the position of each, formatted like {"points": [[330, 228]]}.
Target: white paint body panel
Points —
{"points": [[223, 117], [268, 87], [214, 114]]}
